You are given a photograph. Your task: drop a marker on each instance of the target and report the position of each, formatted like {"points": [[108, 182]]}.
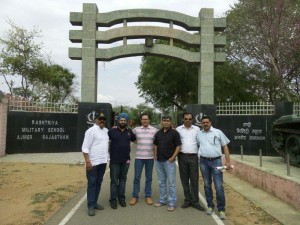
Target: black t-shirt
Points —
{"points": [[120, 144], [166, 143]]}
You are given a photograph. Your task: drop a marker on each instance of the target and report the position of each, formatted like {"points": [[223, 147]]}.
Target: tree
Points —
{"points": [[264, 36], [28, 72], [166, 82], [56, 85]]}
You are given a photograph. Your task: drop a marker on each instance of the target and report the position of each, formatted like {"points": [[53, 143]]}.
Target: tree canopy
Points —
{"points": [[28, 72], [264, 36]]}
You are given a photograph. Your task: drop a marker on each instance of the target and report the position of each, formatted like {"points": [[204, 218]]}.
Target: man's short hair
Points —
{"points": [[187, 113], [166, 117], [205, 117], [145, 114]]}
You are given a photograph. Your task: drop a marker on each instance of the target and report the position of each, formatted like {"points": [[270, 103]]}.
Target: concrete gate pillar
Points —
{"points": [[206, 67], [89, 46]]}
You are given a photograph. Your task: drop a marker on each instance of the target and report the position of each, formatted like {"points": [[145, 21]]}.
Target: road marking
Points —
{"points": [[71, 213], [73, 210], [203, 201], [214, 216]]}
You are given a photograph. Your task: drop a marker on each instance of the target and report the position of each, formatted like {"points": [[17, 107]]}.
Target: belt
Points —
{"points": [[188, 154], [210, 159]]}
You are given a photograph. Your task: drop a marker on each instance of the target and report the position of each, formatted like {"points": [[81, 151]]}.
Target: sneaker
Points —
{"points": [[133, 201], [91, 212], [159, 204], [222, 215], [171, 208], [210, 211], [99, 207]]}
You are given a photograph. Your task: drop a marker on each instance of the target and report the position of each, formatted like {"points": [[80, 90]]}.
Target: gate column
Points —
{"points": [[206, 67], [89, 62]]}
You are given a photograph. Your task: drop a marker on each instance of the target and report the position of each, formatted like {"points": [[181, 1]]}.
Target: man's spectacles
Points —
{"points": [[188, 119], [102, 119]]}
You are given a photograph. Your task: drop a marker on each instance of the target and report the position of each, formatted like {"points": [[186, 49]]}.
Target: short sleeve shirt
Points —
{"points": [[211, 142], [166, 143]]}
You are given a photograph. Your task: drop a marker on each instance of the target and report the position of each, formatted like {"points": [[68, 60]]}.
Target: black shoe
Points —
{"points": [[199, 207], [186, 205], [91, 212], [122, 203], [113, 205], [98, 207]]}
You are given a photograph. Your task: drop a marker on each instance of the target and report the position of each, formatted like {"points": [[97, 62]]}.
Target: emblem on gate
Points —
{"points": [[91, 118]]}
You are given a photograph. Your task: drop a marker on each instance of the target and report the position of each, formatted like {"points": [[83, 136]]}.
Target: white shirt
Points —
{"points": [[95, 144], [188, 138]]}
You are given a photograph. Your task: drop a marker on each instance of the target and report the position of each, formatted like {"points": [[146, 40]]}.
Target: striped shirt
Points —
{"points": [[144, 139]]}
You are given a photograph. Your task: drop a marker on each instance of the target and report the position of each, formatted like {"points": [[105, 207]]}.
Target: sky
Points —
{"points": [[115, 78]]}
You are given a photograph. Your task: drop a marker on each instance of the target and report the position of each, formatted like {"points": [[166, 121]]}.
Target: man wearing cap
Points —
{"points": [[95, 152], [120, 138]]}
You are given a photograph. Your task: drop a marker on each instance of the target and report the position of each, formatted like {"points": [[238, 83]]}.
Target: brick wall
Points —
{"points": [[3, 123]]}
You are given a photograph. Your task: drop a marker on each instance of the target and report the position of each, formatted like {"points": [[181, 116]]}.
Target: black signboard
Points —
{"points": [[86, 117], [34, 132]]}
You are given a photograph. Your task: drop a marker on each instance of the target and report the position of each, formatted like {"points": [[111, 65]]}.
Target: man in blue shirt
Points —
{"points": [[211, 141], [120, 138]]}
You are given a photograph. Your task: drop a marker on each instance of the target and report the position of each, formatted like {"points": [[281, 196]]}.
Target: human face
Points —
{"points": [[166, 123], [122, 123], [145, 121], [101, 122], [206, 124], [187, 120]]}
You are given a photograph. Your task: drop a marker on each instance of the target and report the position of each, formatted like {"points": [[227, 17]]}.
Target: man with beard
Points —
{"points": [[95, 152], [120, 138], [211, 141]]}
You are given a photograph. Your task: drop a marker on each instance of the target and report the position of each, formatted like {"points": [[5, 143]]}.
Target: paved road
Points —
{"points": [[75, 212]]}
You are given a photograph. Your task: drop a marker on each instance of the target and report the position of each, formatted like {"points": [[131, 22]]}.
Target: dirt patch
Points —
{"points": [[31, 193]]}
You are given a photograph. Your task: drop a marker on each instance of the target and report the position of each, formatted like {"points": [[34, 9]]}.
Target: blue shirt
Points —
{"points": [[120, 144], [211, 142]]}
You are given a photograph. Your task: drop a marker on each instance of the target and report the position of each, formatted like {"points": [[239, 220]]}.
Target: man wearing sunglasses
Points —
{"points": [[188, 162], [95, 152]]}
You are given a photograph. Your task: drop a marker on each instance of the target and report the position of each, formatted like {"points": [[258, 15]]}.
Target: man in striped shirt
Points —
{"points": [[143, 157]]}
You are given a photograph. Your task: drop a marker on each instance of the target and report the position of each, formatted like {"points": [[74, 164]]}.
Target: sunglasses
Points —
{"points": [[101, 119]]}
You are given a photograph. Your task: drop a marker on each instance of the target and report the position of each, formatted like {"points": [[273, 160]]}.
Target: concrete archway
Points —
{"points": [[205, 39]]}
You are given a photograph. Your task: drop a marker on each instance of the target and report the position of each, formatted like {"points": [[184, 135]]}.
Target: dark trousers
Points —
{"points": [[95, 178], [118, 177], [189, 175]]}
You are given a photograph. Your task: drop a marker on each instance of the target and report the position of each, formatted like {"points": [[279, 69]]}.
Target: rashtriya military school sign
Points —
{"points": [[41, 132], [36, 132]]}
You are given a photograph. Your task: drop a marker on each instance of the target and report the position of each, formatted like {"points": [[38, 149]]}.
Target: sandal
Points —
{"points": [[159, 204], [171, 208]]}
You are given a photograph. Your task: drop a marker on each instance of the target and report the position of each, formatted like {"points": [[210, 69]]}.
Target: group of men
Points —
{"points": [[193, 147]]}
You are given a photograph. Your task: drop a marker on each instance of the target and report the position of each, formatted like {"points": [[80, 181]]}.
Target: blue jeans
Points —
{"points": [[209, 172], [138, 168], [95, 178], [167, 171], [118, 177]]}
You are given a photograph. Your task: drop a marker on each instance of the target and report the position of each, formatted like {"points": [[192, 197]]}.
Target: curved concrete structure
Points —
{"points": [[204, 38]]}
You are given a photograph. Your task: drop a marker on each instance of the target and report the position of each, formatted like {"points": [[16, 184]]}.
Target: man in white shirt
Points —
{"points": [[188, 162], [95, 152]]}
